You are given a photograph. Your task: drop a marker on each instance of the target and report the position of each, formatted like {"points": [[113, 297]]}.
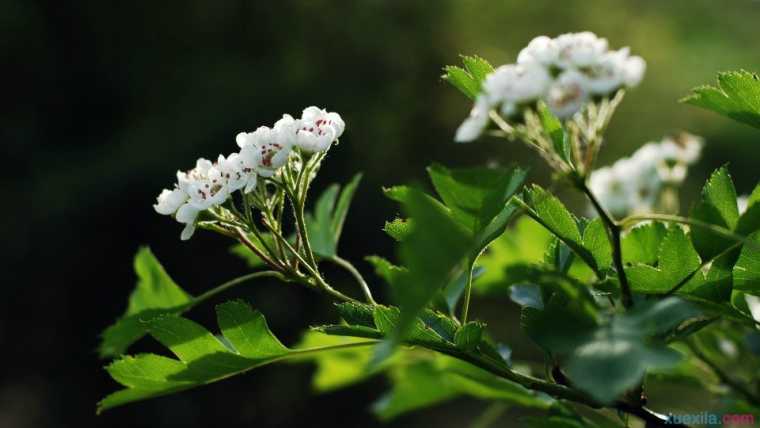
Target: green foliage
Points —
{"points": [[676, 259], [433, 379], [155, 294], [553, 128], [614, 358], [736, 95], [398, 228], [325, 223], [524, 242], [746, 271], [716, 206], [201, 357], [468, 79]]}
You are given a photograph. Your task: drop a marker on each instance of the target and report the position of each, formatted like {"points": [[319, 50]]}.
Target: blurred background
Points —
{"points": [[104, 101]]}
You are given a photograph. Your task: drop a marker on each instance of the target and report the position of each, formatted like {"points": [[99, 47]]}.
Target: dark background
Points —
{"points": [[104, 101]]}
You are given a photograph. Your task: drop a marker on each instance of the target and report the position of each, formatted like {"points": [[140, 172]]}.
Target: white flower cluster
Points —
{"points": [[566, 72], [262, 153], [633, 185]]}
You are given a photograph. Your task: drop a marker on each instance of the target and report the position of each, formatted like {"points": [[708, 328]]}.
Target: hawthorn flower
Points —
{"points": [[542, 50], [566, 72], [635, 184], [578, 50], [169, 201], [317, 129], [568, 94], [263, 150], [516, 83], [474, 125], [205, 184], [742, 203]]}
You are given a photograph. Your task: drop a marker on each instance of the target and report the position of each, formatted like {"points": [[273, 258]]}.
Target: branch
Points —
{"points": [[723, 376], [613, 233], [345, 264]]}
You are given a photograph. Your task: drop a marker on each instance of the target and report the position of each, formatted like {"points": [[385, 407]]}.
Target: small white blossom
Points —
{"points": [[633, 185], [516, 83], [318, 129], [169, 201], [187, 215], [568, 94], [578, 50], [542, 50], [475, 123], [263, 150], [742, 203], [633, 71]]}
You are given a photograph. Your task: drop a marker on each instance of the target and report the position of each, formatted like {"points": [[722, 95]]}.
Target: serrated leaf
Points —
{"points": [[551, 213], [736, 95], [717, 206], [642, 243], [746, 271], [553, 128], [595, 240], [462, 80], [468, 336], [155, 294], [398, 228], [478, 67], [336, 369], [676, 260], [201, 357]]}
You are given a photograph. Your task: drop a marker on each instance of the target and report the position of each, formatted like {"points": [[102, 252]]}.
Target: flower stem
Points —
{"points": [[467, 292], [613, 234], [229, 284], [356, 274]]}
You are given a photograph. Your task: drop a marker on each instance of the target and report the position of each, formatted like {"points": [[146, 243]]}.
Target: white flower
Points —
{"points": [[633, 71], [611, 190], [608, 73], [568, 94], [317, 129], [237, 173], [205, 184], [542, 50], [263, 150], [516, 83], [578, 50], [169, 201], [475, 123], [186, 215], [743, 203]]}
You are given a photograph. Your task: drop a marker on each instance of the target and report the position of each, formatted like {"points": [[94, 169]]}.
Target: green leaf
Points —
{"points": [[595, 240], [468, 79], [325, 223], [618, 354], [398, 229], [339, 368], [201, 357], [437, 378], [746, 271], [551, 213], [431, 252], [462, 80], [477, 67], [476, 195], [677, 258], [750, 221], [155, 294], [468, 336], [387, 271], [642, 243], [524, 242], [553, 128], [736, 95], [717, 206]]}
